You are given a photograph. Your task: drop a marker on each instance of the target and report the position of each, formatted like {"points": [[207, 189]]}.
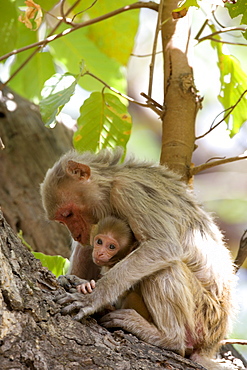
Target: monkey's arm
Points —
{"points": [[149, 258]]}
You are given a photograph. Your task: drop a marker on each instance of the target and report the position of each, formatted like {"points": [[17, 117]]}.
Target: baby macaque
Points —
{"points": [[181, 265], [112, 240]]}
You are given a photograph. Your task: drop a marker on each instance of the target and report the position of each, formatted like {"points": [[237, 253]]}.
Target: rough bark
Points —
{"points": [[180, 97], [30, 149], [34, 335]]}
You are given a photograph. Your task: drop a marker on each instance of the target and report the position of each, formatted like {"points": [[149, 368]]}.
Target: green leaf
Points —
{"points": [[240, 7], [56, 93], [233, 84], [104, 122], [115, 36], [31, 78], [56, 264], [72, 48], [185, 4], [8, 26]]}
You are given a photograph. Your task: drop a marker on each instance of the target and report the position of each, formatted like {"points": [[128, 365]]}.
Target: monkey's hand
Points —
{"points": [[70, 282], [82, 303], [86, 287]]}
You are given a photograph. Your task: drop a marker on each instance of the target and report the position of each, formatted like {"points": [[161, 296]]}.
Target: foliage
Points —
{"points": [[94, 33], [104, 122], [56, 264], [238, 8]]}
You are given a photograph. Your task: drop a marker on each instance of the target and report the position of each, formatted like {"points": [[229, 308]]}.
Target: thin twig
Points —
{"points": [[145, 55], [230, 109], [206, 166], [233, 341], [227, 29], [151, 66], [115, 90], [84, 10]]}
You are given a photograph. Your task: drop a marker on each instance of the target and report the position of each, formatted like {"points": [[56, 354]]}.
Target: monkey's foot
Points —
{"points": [[133, 322]]}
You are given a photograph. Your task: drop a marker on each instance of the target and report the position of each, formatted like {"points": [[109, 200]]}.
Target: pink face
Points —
{"points": [[104, 248], [77, 219]]}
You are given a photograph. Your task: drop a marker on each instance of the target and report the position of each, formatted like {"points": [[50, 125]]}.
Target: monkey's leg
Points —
{"points": [[133, 322], [168, 296]]}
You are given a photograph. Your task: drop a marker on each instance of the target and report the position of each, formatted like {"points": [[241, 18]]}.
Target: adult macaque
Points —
{"points": [[185, 273], [112, 240]]}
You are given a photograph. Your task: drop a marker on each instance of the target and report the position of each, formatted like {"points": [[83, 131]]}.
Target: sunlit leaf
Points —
{"points": [[233, 84], [56, 93], [74, 47], [56, 264], [185, 4], [8, 26], [104, 122], [114, 36]]}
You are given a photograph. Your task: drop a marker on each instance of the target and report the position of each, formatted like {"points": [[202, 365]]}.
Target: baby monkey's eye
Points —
{"points": [[99, 241], [112, 246]]}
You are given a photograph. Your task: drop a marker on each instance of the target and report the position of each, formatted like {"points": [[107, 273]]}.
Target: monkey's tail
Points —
{"points": [[213, 364]]}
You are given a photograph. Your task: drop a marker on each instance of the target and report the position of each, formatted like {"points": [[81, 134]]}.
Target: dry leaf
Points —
{"points": [[33, 11]]}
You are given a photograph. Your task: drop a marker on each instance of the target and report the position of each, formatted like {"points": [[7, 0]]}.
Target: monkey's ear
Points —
{"points": [[78, 170]]}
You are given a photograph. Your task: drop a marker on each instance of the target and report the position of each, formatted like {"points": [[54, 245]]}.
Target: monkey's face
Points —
{"points": [[105, 247], [77, 219]]}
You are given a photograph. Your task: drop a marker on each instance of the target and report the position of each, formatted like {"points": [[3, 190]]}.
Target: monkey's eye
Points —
{"points": [[112, 246], [99, 241]]}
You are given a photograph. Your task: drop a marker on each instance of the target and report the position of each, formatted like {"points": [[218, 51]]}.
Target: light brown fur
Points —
{"points": [[185, 272], [123, 239]]}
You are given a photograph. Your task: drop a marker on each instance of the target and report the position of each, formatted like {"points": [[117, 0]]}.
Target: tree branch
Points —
{"points": [[206, 166], [42, 43]]}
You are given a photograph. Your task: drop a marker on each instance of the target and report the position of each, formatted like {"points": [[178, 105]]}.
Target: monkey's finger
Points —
{"points": [[82, 288], [74, 306], [64, 282], [82, 313], [93, 284], [66, 298]]}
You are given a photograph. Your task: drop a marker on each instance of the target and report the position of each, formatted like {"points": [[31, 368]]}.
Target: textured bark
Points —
{"points": [[34, 335], [30, 149], [180, 96]]}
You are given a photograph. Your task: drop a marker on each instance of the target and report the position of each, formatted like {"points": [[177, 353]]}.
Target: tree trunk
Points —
{"points": [[35, 336], [30, 149], [181, 101]]}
